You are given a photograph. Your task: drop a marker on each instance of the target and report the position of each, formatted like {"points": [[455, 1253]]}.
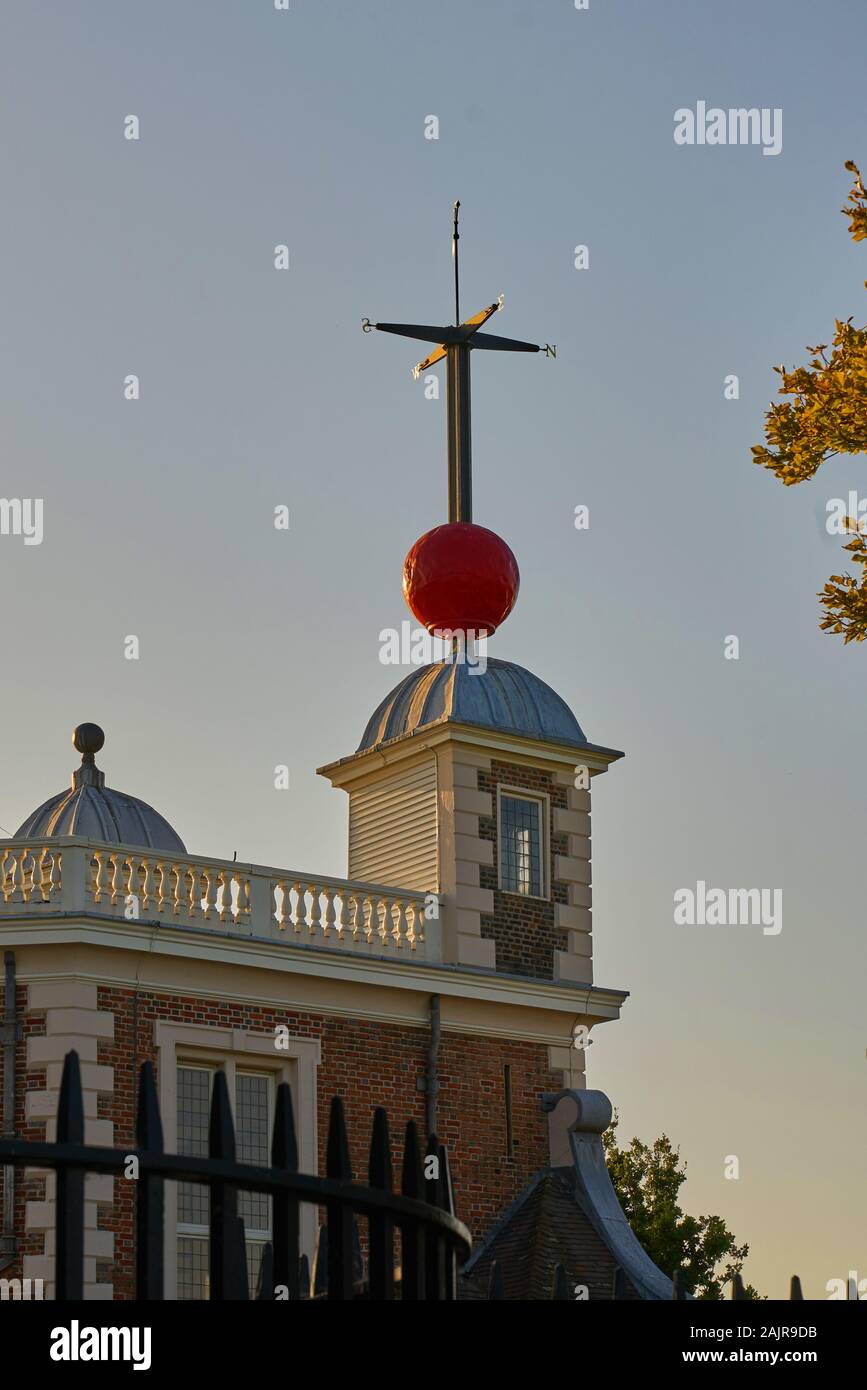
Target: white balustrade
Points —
{"points": [[41, 877]]}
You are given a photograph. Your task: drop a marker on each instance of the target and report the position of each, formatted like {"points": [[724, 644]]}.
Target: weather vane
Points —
{"points": [[455, 343]]}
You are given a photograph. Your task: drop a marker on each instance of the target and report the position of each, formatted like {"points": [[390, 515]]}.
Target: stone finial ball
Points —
{"points": [[88, 739], [460, 578]]}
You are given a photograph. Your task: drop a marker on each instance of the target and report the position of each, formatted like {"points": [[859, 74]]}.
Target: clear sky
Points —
{"points": [[260, 647]]}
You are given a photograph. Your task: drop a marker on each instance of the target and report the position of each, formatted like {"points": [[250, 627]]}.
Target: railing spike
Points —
{"points": [[284, 1145], [227, 1263], [434, 1251], [221, 1129], [150, 1200], [620, 1284], [560, 1285], [795, 1291], [379, 1165], [338, 1164], [678, 1284], [380, 1225], [496, 1288], [69, 1252], [148, 1121], [337, 1160], [304, 1277], [265, 1283], [411, 1235], [70, 1107], [286, 1224], [738, 1293]]}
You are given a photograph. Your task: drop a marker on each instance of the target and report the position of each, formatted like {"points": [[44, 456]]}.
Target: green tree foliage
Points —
{"points": [[647, 1181], [826, 414]]}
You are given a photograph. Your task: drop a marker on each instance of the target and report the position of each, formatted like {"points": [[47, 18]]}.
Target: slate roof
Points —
{"points": [[567, 1215], [544, 1227], [502, 696]]}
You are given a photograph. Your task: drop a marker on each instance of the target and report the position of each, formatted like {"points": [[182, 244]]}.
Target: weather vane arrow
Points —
{"points": [[455, 342]]}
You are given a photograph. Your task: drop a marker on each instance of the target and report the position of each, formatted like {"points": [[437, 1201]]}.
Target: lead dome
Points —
{"points": [[503, 696], [96, 812]]}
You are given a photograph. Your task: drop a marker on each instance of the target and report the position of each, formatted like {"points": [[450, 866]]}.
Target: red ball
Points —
{"points": [[460, 578]]}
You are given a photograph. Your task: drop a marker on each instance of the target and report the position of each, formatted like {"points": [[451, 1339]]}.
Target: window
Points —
{"points": [[522, 844], [184, 1048], [253, 1110]]}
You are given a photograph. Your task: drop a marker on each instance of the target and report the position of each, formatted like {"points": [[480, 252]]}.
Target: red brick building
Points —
{"points": [[449, 977], [446, 978]]}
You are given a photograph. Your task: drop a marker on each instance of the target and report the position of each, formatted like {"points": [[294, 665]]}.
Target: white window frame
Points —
{"points": [[231, 1050], [543, 802]]}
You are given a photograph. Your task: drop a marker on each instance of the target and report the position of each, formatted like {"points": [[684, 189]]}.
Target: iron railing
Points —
{"points": [[432, 1240]]}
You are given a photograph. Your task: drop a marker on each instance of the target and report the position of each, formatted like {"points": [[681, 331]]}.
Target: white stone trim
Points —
{"points": [[72, 1022], [560, 758], [570, 1063], [480, 989]]}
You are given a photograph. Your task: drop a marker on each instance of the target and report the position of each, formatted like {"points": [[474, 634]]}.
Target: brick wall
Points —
{"points": [[523, 928], [368, 1064], [28, 1187]]}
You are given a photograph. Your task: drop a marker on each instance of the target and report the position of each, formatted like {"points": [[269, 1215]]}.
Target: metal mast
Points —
{"points": [[455, 343]]}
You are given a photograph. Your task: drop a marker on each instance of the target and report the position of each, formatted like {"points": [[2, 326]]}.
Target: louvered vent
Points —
{"points": [[393, 829]]}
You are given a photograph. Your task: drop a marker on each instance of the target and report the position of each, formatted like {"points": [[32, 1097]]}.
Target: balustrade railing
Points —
{"points": [[69, 875]]}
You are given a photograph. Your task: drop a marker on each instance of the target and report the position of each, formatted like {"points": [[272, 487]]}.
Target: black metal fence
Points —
{"points": [[432, 1240]]}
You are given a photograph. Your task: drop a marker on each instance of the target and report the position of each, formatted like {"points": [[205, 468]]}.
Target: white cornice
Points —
{"points": [[536, 751], [476, 986]]}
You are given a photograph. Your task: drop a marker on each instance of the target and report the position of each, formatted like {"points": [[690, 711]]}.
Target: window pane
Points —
{"points": [[192, 1268], [252, 1095], [520, 845], [194, 1093]]}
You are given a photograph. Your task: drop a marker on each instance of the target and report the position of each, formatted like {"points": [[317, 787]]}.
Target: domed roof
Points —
{"points": [[96, 812], [503, 696]]}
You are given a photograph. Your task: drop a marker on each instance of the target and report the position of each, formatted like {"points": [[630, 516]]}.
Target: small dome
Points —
{"points": [[96, 812], [504, 697]]}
